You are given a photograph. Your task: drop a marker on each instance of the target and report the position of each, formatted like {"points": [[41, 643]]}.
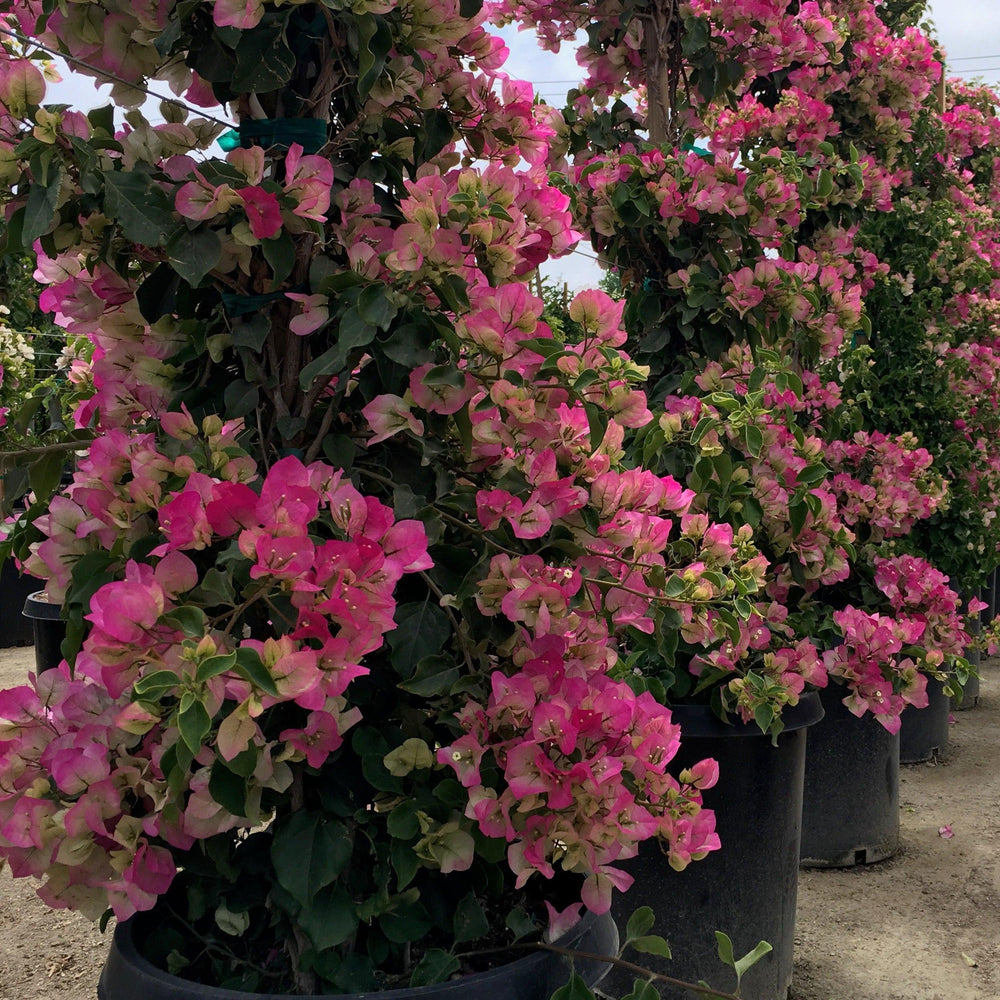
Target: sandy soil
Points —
{"points": [[922, 926]]}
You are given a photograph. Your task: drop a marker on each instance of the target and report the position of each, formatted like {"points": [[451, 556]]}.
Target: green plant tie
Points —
{"points": [[240, 305], [705, 154], [309, 133]]}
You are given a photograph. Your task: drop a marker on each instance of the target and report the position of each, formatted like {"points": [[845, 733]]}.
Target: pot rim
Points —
{"points": [[38, 605], [124, 942], [700, 721]]}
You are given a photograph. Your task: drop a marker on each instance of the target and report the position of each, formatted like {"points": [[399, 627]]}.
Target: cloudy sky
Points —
{"points": [[969, 31]]}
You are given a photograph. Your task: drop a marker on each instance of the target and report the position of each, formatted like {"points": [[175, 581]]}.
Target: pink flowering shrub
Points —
{"points": [[822, 511], [356, 559]]}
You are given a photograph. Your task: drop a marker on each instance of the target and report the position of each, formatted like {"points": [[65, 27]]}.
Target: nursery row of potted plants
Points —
{"points": [[401, 605]]}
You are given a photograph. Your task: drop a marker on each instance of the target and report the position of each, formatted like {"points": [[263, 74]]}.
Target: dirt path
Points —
{"points": [[923, 926]]}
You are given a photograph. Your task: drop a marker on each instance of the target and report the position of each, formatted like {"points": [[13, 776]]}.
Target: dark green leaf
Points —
{"points": [[375, 306], [264, 62], [371, 746], [470, 921], [45, 472], [251, 331], [352, 333], [250, 666], [280, 255], [194, 724], [139, 206], [407, 921], [228, 789], [643, 990], [435, 966], [194, 253], [374, 44], [240, 398], [422, 629], [309, 851], [216, 588], [797, 514], [190, 620], [404, 861], [40, 209], [575, 989], [402, 822], [154, 684], [437, 132], [102, 119], [329, 918], [212, 666]]}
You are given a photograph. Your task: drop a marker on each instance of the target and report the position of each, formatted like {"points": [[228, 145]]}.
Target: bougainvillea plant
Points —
{"points": [[355, 549], [788, 134]]}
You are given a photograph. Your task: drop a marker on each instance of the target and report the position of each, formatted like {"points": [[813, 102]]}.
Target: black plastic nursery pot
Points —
{"points": [[128, 976], [14, 590], [850, 807], [923, 734], [969, 697], [748, 887], [48, 629]]}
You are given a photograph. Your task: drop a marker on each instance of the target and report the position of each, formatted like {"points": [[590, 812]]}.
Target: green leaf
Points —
{"points": [[371, 746], [139, 206], [725, 945], [436, 133], [575, 989], [422, 629], [240, 398], [754, 440], [251, 331], [44, 474], [404, 861], [652, 944], [435, 966], [154, 684], [643, 990], [435, 675], [352, 333], [251, 667], [192, 254], [264, 61], [470, 921], [519, 923], [228, 789], [189, 619], [194, 724], [309, 852], [216, 588], [375, 42], [212, 666], [407, 921], [797, 514], [40, 209], [329, 919], [751, 958], [280, 255], [640, 923], [375, 306]]}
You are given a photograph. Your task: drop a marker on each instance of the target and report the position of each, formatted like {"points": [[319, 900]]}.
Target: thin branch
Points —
{"points": [[105, 75]]}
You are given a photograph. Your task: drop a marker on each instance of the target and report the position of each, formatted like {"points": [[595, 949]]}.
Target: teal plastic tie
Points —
{"points": [[241, 305], [309, 133]]}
